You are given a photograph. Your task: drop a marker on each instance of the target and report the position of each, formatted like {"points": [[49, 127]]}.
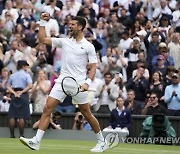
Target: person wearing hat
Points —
{"points": [[172, 96], [163, 50], [19, 84], [160, 66]]}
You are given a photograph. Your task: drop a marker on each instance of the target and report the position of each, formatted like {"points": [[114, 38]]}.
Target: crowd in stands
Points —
{"points": [[137, 44]]}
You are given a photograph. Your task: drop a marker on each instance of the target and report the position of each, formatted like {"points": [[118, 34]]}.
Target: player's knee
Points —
{"points": [[47, 110]]}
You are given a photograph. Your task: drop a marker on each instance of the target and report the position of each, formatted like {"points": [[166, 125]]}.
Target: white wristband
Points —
{"points": [[42, 22], [88, 81]]}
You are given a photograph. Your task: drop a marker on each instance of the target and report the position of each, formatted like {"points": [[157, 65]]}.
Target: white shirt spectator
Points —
{"points": [[52, 23], [125, 44], [50, 10]]}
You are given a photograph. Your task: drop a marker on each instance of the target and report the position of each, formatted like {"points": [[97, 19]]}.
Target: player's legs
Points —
{"points": [[51, 103], [85, 110], [54, 98], [101, 143]]}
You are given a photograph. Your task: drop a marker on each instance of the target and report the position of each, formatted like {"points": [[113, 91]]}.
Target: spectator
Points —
{"points": [[4, 33], [107, 94], [174, 47], [40, 91], [25, 18], [5, 102], [80, 122], [163, 9], [168, 78], [122, 62], [140, 85], [176, 15], [12, 56], [19, 84], [160, 66], [157, 85], [134, 8], [54, 121], [112, 66], [120, 120], [172, 96], [132, 55], [152, 106], [133, 105], [101, 35], [114, 29], [3, 81], [12, 11], [146, 71], [124, 18], [163, 50], [152, 41], [125, 42], [164, 25], [51, 7], [118, 80]]}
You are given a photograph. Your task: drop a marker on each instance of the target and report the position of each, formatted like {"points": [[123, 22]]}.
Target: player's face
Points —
{"points": [[73, 28]]}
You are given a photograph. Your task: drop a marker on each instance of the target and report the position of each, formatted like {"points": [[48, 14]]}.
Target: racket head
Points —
{"points": [[70, 86]]}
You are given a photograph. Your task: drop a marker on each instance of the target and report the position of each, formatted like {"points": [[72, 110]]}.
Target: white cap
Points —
{"points": [[136, 38]]}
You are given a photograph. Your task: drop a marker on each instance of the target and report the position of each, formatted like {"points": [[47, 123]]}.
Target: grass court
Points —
{"points": [[49, 146]]}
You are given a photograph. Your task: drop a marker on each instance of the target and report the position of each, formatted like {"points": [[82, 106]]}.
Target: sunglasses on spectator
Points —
{"points": [[152, 97]]}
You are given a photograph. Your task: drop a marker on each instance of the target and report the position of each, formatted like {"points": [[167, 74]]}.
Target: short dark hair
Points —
{"points": [[108, 73], [80, 21]]}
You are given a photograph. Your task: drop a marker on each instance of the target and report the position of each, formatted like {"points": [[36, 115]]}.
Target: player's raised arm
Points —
{"points": [[42, 33]]}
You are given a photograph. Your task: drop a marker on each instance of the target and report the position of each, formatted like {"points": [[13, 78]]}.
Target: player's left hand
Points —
{"points": [[84, 87]]}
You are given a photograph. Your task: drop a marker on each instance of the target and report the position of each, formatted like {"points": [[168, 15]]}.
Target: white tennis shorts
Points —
{"points": [[57, 93]]}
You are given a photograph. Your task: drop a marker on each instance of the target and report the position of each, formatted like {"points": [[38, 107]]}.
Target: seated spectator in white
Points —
{"points": [[5, 102], [120, 120]]}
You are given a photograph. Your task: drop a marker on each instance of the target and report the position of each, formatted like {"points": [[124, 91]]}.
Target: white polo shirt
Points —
{"points": [[75, 57]]}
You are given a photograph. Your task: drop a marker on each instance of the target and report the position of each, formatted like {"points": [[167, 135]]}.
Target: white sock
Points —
{"points": [[39, 135], [100, 137]]}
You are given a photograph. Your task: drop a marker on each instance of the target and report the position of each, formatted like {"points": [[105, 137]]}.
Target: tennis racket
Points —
{"points": [[70, 86]]}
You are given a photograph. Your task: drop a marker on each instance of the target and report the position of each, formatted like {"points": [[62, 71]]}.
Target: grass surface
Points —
{"points": [[14, 146]]}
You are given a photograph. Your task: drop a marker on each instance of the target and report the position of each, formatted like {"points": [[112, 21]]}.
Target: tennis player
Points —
{"points": [[77, 53]]}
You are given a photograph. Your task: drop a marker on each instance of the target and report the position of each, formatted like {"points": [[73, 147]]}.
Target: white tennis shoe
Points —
{"points": [[100, 147], [32, 143]]}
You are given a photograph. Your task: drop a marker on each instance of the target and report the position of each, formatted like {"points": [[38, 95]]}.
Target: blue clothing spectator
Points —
{"points": [[121, 118], [172, 96], [169, 61]]}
